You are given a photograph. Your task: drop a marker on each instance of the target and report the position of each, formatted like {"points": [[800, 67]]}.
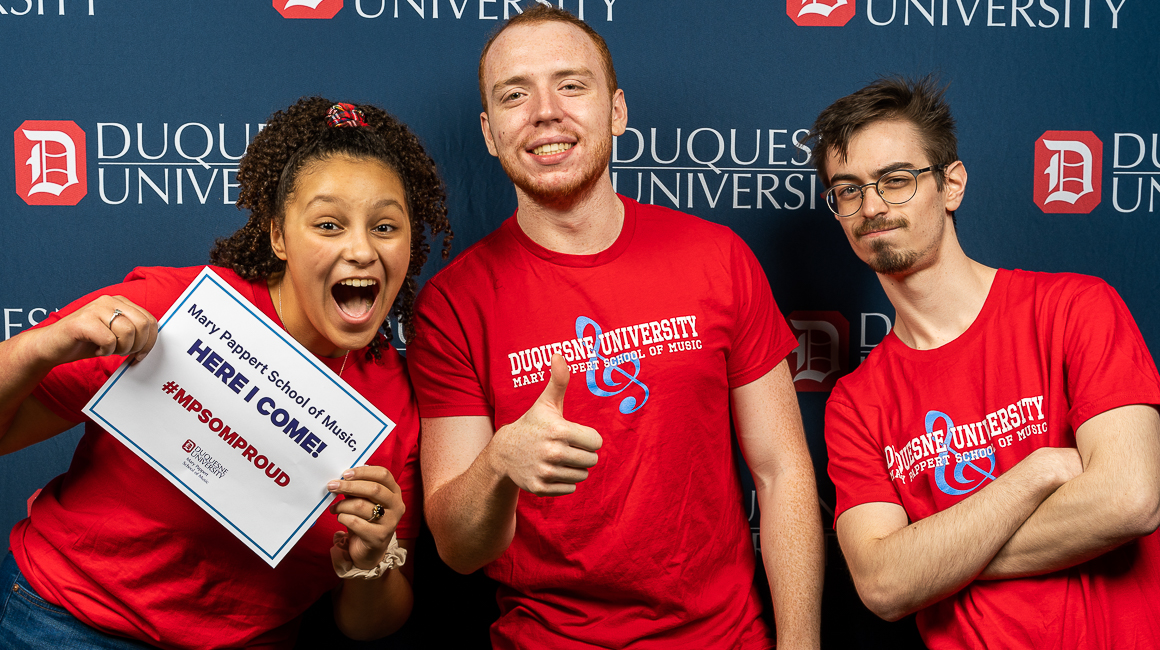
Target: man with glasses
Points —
{"points": [[997, 457]]}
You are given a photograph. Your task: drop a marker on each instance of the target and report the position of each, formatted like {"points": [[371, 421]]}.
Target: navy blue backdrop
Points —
{"points": [[128, 119]]}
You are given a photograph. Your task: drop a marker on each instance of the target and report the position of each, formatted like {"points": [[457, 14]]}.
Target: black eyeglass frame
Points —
{"points": [[862, 189]]}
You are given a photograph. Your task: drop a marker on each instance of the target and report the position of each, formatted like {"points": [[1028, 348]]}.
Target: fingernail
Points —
{"points": [[348, 474], [332, 486]]}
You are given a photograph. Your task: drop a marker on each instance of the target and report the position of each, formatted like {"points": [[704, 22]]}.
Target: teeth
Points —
{"points": [[353, 282], [556, 147]]}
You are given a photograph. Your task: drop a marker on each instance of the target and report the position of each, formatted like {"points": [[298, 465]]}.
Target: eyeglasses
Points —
{"points": [[898, 186]]}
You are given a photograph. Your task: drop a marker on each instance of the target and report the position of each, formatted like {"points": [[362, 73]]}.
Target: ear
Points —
{"points": [[954, 184], [277, 241], [619, 113], [485, 127]]}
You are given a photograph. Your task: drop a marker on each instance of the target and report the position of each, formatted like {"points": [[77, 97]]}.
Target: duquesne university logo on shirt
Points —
{"points": [[323, 9], [962, 456], [50, 162], [611, 360]]}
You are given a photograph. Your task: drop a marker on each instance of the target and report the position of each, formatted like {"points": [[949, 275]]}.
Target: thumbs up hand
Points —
{"points": [[542, 452]]}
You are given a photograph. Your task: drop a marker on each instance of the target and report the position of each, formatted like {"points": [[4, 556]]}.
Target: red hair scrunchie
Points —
{"points": [[344, 115]]}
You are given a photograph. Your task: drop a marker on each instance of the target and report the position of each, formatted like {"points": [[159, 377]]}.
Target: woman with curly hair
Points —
{"points": [[342, 199]]}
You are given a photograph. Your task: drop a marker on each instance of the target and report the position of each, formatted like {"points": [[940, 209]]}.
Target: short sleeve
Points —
{"points": [[1107, 362], [856, 463], [411, 487], [761, 338], [439, 360]]}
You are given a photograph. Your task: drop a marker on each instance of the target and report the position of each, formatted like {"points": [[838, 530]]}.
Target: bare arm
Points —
{"points": [[370, 609], [29, 356], [1115, 499], [900, 568], [769, 430], [472, 477]]}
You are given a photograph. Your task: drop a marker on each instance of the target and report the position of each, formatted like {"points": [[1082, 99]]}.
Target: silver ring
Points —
{"points": [[116, 313]]}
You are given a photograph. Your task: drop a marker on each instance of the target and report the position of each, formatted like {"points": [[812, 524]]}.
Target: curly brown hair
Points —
{"points": [[298, 136]]}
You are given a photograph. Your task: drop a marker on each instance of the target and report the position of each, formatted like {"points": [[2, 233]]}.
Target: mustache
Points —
{"points": [[881, 223]]}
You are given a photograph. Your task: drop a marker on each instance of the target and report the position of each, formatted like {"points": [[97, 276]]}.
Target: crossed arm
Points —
{"points": [[1054, 509]]}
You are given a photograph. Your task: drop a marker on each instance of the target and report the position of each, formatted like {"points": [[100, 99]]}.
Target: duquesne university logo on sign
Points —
{"points": [[50, 162], [823, 349], [308, 8], [1067, 171], [820, 13]]}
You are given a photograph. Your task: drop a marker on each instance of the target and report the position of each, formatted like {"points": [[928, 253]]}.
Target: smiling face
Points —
{"points": [[346, 240], [896, 239], [550, 115]]}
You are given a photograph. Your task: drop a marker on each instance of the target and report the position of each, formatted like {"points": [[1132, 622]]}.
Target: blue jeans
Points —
{"points": [[29, 622]]}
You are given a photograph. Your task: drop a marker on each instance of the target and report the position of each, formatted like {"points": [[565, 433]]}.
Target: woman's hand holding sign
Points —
{"points": [[372, 507]]}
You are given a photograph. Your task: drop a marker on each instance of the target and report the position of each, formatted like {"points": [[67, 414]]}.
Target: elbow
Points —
{"points": [[887, 600], [457, 564], [883, 605], [1139, 510], [459, 559]]}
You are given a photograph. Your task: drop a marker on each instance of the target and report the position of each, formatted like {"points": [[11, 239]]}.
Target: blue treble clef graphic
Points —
{"points": [[629, 403], [940, 472]]}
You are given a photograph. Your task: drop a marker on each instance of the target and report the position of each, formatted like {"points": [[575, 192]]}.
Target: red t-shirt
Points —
{"points": [[122, 549], [1046, 353], [653, 549]]}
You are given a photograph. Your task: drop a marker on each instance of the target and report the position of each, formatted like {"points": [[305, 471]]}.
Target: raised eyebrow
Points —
{"points": [[335, 200], [878, 173], [386, 203]]}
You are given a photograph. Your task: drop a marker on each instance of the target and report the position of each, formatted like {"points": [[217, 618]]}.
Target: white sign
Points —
{"points": [[240, 417]]}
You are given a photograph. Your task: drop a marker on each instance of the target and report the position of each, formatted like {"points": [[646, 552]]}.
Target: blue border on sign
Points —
{"points": [[208, 274]]}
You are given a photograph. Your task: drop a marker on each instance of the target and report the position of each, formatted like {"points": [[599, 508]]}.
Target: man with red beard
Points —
{"points": [[580, 451], [997, 456]]}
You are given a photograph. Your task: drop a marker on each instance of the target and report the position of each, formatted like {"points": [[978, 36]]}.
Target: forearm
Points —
{"points": [[22, 366], [1115, 499], [793, 553], [473, 516], [371, 609], [917, 565]]}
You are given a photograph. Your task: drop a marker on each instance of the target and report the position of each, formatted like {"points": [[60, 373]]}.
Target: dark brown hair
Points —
{"points": [[299, 136], [548, 14], [920, 102]]}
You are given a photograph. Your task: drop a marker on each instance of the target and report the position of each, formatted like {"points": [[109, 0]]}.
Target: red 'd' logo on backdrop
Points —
{"points": [[1067, 171], [820, 13], [50, 162], [308, 8], [823, 349]]}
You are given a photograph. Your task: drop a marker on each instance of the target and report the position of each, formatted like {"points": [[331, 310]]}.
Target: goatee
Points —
{"points": [[562, 195]]}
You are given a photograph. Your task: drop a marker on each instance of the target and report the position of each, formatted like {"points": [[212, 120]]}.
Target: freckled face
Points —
{"points": [[550, 116], [894, 239], [346, 240]]}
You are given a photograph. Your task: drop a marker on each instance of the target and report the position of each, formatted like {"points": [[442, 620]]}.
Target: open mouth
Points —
{"points": [[555, 147], [355, 297]]}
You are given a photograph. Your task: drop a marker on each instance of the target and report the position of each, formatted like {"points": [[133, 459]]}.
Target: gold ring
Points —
{"points": [[378, 512], [116, 313]]}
